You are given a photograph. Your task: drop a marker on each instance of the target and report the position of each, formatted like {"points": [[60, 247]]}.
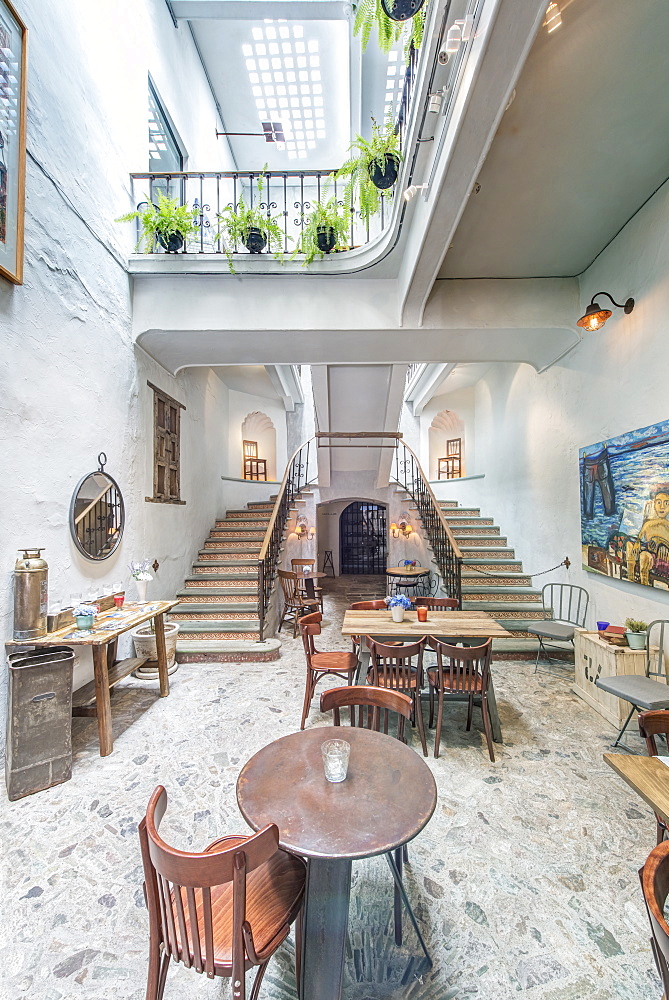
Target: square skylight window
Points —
{"points": [[287, 48], [300, 144], [266, 77], [276, 63], [302, 154], [270, 32], [306, 102], [314, 61], [308, 113], [292, 156], [280, 91], [320, 133], [261, 50], [247, 50], [263, 63], [299, 47], [315, 75], [278, 77], [310, 134], [294, 102], [311, 145], [304, 75], [260, 104], [393, 56], [271, 102], [290, 76], [301, 62], [299, 134], [305, 88], [298, 31], [254, 78], [250, 64], [292, 90], [317, 88], [318, 102], [288, 62], [284, 32], [269, 90], [318, 112], [273, 49], [257, 34], [312, 45], [256, 91]]}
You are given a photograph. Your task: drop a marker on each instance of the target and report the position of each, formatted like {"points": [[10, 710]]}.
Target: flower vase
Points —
{"points": [[141, 591], [397, 612]]}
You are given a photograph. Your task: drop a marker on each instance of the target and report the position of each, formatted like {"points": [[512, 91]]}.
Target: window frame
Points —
{"points": [[166, 448]]}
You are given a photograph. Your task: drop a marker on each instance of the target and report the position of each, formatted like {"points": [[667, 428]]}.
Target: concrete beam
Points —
{"points": [[257, 10]]}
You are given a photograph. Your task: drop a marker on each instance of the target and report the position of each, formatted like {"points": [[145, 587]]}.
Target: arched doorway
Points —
{"points": [[258, 442], [363, 539], [446, 437]]}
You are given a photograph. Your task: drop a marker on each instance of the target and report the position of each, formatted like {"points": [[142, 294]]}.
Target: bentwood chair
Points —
{"points": [[437, 603], [566, 607], [642, 692], [339, 663], [652, 724], [222, 911], [368, 606], [460, 670], [374, 704], [295, 603], [655, 887], [393, 668], [297, 566]]}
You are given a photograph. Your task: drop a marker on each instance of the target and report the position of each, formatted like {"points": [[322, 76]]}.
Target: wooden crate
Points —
{"points": [[594, 658]]}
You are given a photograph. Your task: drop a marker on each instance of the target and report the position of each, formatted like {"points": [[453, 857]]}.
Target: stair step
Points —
{"points": [[224, 572], [241, 531], [229, 599], [495, 560], [245, 587], [227, 650], [492, 606], [218, 630], [469, 522], [462, 511], [245, 514], [518, 620], [487, 542], [475, 531], [490, 589], [232, 547], [222, 524], [215, 612], [236, 557]]}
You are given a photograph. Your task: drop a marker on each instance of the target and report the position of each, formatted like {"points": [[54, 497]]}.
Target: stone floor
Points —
{"points": [[524, 881]]}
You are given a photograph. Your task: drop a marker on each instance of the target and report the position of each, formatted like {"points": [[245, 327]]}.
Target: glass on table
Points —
{"points": [[421, 613], [335, 759]]}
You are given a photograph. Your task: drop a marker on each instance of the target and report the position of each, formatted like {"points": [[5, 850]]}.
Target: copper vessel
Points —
{"points": [[31, 595]]}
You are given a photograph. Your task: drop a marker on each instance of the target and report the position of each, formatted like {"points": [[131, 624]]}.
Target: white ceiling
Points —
{"points": [[579, 150], [248, 378]]}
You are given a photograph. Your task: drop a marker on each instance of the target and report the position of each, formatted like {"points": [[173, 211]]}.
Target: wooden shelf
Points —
{"points": [[85, 696]]}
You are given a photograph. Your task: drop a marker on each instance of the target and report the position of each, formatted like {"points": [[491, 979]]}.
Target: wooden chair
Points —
{"points": [[460, 670], [437, 603], [376, 701], [392, 667], [652, 724], [655, 887], [299, 564], [222, 911], [294, 603], [368, 606], [339, 663]]}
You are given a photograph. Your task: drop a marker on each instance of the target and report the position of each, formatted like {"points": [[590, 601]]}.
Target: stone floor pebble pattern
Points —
{"points": [[524, 881]]}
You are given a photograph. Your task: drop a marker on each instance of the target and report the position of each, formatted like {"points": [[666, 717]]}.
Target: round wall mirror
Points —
{"points": [[97, 514]]}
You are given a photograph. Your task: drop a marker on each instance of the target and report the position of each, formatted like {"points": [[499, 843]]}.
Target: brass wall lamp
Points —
{"points": [[595, 317]]}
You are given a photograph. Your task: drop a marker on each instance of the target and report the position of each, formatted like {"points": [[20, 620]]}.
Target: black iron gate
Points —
{"points": [[362, 539]]}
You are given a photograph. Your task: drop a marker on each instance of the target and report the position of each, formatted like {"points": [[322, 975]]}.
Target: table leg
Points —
{"points": [[325, 926], [494, 714], [102, 700], [309, 587], [161, 655]]}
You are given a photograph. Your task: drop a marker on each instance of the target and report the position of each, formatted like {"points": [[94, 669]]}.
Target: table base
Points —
{"points": [[325, 926]]}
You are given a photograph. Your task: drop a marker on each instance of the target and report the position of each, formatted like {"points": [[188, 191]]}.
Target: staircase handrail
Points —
{"points": [[295, 478], [440, 536]]}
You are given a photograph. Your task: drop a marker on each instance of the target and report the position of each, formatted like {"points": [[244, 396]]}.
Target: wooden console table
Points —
{"points": [[94, 698], [595, 658]]}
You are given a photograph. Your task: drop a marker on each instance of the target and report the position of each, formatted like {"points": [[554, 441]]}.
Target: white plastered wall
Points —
{"points": [[241, 405]]}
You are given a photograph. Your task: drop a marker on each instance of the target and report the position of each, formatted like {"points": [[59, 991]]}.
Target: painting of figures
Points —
{"points": [[625, 506], [12, 141]]}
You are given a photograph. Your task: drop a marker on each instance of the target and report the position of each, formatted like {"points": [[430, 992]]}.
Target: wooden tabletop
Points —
{"points": [[462, 624], [311, 575], [107, 626], [648, 776], [388, 795], [407, 571]]}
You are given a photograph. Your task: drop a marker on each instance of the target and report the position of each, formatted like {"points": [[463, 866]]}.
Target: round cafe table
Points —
{"points": [[309, 581], [387, 798]]}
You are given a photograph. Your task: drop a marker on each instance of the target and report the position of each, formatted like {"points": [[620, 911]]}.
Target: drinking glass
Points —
{"points": [[335, 759]]}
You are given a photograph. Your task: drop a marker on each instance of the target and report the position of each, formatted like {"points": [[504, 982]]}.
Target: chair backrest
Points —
{"points": [[369, 606], [394, 664], [297, 563], [178, 884], [375, 700], [565, 603], [660, 670], [310, 625], [288, 582], [652, 724], [655, 887], [462, 668], [437, 603]]}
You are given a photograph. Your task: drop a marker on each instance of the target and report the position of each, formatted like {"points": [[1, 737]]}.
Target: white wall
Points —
{"points": [[433, 440], [240, 405], [529, 427]]}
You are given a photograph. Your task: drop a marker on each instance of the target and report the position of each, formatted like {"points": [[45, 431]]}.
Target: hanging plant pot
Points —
{"points": [[386, 177], [401, 10], [172, 243], [325, 238], [254, 240]]}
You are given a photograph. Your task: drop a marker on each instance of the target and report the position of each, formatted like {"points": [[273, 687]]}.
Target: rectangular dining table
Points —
{"points": [[470, 627], [647, 776]]}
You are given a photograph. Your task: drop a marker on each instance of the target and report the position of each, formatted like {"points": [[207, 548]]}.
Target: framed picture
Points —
{"points": [[13, 60]]}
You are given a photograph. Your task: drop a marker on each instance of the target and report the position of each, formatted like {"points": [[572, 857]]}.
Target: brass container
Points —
{"points": [[31, 595]]}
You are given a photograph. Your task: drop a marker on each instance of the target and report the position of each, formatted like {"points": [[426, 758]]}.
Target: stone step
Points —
{"points": [[259, 505], [229, 573], [230, 599], [457, 522], [481, 541], [218, 612], [462, 511], [242, 522], [242, 528], [475, 531], [243, 513], [233, 547], [218, 630], [520, 619], [227, 650], [232, 534], [237, 557], [493, 562], [492, 606], [220, 583], [490, 590]]}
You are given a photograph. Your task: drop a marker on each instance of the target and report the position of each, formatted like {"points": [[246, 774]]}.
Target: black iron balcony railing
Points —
{"points": [[448, 557]]}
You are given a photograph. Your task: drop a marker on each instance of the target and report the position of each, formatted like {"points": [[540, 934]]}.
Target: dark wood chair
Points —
{"points": [[437, 603], [460, 670], [379, 703], [294, 603], [222, 911], [652, 724], [339, 663], [393, 667], [379, 605], [655, 887], [297, 566]]}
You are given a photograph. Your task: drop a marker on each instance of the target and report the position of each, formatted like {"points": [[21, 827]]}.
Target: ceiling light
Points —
{"points": [[553, 17], [413, 190], [595, 317]]}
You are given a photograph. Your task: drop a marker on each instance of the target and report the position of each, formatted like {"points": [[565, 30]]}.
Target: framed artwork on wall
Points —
{"points": [[625, 506], [13, 62]]}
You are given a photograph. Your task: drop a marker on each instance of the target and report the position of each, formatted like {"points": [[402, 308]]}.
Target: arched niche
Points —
{"points": [[446, 426], [258, 427]]}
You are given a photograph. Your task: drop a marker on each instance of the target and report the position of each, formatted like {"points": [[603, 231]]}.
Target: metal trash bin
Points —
{"points": [[39, 720]]}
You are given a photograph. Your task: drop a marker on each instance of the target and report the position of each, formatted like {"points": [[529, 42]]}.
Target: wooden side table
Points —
{"points": [[595, 658]]}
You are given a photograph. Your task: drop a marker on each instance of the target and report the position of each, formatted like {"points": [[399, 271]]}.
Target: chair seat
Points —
{"points": [[553, 630], [271, 894], [454, 682], [641, 691], [337, 660], [385, 679]]}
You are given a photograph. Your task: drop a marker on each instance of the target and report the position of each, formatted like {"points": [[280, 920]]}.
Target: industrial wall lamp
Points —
{"points": [[595, 317]]}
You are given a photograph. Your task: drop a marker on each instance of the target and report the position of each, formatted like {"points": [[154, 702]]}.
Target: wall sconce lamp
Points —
{"points": [[302, 529], [402, 527], [413, 190], [595, 317], [553, 17]]}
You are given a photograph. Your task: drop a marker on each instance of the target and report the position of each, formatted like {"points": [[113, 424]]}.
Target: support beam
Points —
{"points": [[286, 381], [426, 385], [257, 10]]}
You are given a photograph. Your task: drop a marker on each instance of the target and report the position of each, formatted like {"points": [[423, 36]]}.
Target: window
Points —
{"points": [[166, 447], [166, 151]]}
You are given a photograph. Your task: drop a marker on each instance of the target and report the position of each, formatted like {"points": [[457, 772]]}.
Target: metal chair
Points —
{"points": [[655, 887], [567, 606], [641, 692]]}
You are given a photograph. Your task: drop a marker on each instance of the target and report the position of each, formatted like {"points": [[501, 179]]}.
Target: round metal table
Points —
{"points": [[409, 576], [387, 798]]}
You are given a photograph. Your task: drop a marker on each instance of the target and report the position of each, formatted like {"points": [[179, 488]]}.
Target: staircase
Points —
{"points": [[218, 607], [507, 595]]}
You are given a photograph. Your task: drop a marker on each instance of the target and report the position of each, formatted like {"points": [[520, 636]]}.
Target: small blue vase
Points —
{"points": [[85, 622]]}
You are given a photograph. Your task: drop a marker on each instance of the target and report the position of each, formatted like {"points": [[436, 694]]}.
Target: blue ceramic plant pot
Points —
{"points": [[85, 621]]}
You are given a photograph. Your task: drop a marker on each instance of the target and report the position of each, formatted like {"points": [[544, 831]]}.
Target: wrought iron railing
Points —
{"points": [[290, 195], [408, 474], [296, 478]]}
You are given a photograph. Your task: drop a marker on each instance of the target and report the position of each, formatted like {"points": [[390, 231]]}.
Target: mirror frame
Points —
{"points": [[102, 459]]}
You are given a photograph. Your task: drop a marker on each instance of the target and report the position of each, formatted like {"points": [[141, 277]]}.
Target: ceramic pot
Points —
{"points": [[325, 238], [144, 641], [141, 591], [636, 640], [172, 243], [386, 177], [254, 240], [398, 613], [85, 622]]}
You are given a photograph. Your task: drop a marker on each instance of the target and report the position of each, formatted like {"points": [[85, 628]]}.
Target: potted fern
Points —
{"points": [[254, 227], [371, 14], [167, 223], [373, 168], [326, 229]]}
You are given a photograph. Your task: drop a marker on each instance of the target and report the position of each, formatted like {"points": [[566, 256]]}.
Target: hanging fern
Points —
{"points": [[384, 142], [370, 14]]}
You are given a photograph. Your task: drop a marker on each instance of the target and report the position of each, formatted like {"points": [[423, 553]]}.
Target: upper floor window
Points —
{"points": [[166, 154]]}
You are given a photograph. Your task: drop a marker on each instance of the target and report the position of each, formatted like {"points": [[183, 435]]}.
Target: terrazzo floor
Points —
{"points": [[524, 881]]}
